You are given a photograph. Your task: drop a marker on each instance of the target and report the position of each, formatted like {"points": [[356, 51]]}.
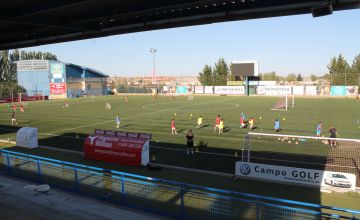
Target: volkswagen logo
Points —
{"points": [[245, 169]]}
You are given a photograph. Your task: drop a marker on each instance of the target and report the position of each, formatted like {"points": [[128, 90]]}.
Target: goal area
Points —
{"points": [[320, 153], [284, 103]]}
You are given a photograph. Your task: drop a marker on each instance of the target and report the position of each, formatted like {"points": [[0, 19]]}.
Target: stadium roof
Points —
{"points": [[94, 71], [25, 23]]}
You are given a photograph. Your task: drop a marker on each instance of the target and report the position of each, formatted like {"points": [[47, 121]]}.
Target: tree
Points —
{"points": [[339, 70], [206, 76], [221, 72], [270, 76], [299, 78], [355, 70], [4, 66], [291, 77], [14, 56], [313, 77]]}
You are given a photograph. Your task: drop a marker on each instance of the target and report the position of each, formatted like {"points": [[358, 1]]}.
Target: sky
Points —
{"points": [[294, 44]]}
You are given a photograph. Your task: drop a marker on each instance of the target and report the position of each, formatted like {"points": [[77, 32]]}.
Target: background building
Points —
{"points": [[59, 80]]}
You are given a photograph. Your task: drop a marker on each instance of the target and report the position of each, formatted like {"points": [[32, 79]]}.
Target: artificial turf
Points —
{"points": [[66, 127]]}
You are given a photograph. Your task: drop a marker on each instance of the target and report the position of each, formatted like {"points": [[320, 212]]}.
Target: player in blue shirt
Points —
{"points": [[319, 129], [277, 126]]}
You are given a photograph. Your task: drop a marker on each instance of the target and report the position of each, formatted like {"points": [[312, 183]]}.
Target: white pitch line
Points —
{"points": [[150, 113]]}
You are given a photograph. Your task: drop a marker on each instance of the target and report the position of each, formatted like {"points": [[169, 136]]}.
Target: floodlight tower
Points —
{"points": [[153, 51]]}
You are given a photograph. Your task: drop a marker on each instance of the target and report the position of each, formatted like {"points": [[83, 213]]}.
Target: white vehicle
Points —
{"points": [[339, 180]]}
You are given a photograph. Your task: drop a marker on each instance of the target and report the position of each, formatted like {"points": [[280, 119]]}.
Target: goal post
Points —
{"points": [[284, 103], [39, 95], [310, 152]]}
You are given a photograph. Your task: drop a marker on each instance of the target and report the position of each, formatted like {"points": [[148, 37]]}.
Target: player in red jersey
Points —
{"points": [[217, 123], [14, 107], [173, 129]]}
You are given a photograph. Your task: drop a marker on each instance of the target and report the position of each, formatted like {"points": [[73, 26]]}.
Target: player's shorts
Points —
{"points": [[318, 133], [217, 126]]}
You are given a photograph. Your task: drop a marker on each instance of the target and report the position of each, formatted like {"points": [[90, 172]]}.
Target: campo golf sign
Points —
{"points": [[295, 175]]}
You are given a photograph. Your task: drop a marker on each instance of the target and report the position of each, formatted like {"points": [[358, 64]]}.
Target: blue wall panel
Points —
{"points": [[34, 81]]}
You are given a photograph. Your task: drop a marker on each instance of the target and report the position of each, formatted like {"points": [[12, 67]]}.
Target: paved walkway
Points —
{"points": [[17, 202]]}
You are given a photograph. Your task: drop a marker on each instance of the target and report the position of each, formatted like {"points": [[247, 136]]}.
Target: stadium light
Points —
{"points": [[153, 51]]}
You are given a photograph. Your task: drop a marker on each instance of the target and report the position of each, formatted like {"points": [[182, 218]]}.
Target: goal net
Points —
{"points": [[31, 96], [320, 153], [284, 103]]}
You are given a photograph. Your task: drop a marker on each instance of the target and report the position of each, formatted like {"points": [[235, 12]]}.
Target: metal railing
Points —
{"points": [[165, 197]]}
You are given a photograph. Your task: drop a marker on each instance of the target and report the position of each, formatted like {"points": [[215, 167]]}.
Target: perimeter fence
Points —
{"points": [[169, 198]]}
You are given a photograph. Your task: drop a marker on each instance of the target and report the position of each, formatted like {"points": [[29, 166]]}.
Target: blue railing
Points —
{"points": [[165, 197]]}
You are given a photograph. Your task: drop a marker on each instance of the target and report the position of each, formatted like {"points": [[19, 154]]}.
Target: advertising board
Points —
{"points": [[230, 90], [307, 177], [274, 90], [338, 91], [199, 89], [208, 90], [310, 90], [57, 88], [298, 90]]}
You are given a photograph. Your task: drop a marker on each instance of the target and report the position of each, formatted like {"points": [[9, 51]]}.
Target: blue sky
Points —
{"points": [[294, 44]]}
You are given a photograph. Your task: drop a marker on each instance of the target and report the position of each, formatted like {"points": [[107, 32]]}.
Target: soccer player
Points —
{"points": [[199, 122], [251, 123], [221, 126], [22, 108], [117, 120], [277, 126], [242, 122], [173, 129], [242, 115], [319, 129], [333, 134], [189, 142], [13, 118], [217, 123], [14, 107]]}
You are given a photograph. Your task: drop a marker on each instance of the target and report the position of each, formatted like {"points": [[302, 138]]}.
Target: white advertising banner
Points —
{"points": [[277, 90], [260, 90], [298, 90], [296, 175], [199, 89], [230, 90], [208, 90], [351, 90], [310, 90]]}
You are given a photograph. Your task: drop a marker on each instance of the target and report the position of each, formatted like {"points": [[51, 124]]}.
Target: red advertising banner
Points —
{"points": [[123, 134], [120, 150], [57, 88], [24, 98]]}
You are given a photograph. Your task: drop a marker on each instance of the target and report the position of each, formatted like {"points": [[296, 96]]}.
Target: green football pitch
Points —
{"points": [[142, 114], [65, 128]]}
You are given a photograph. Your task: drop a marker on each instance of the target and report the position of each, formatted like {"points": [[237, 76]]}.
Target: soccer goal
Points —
{"points": [[320, 153], [31, 96], [284, 103]]}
